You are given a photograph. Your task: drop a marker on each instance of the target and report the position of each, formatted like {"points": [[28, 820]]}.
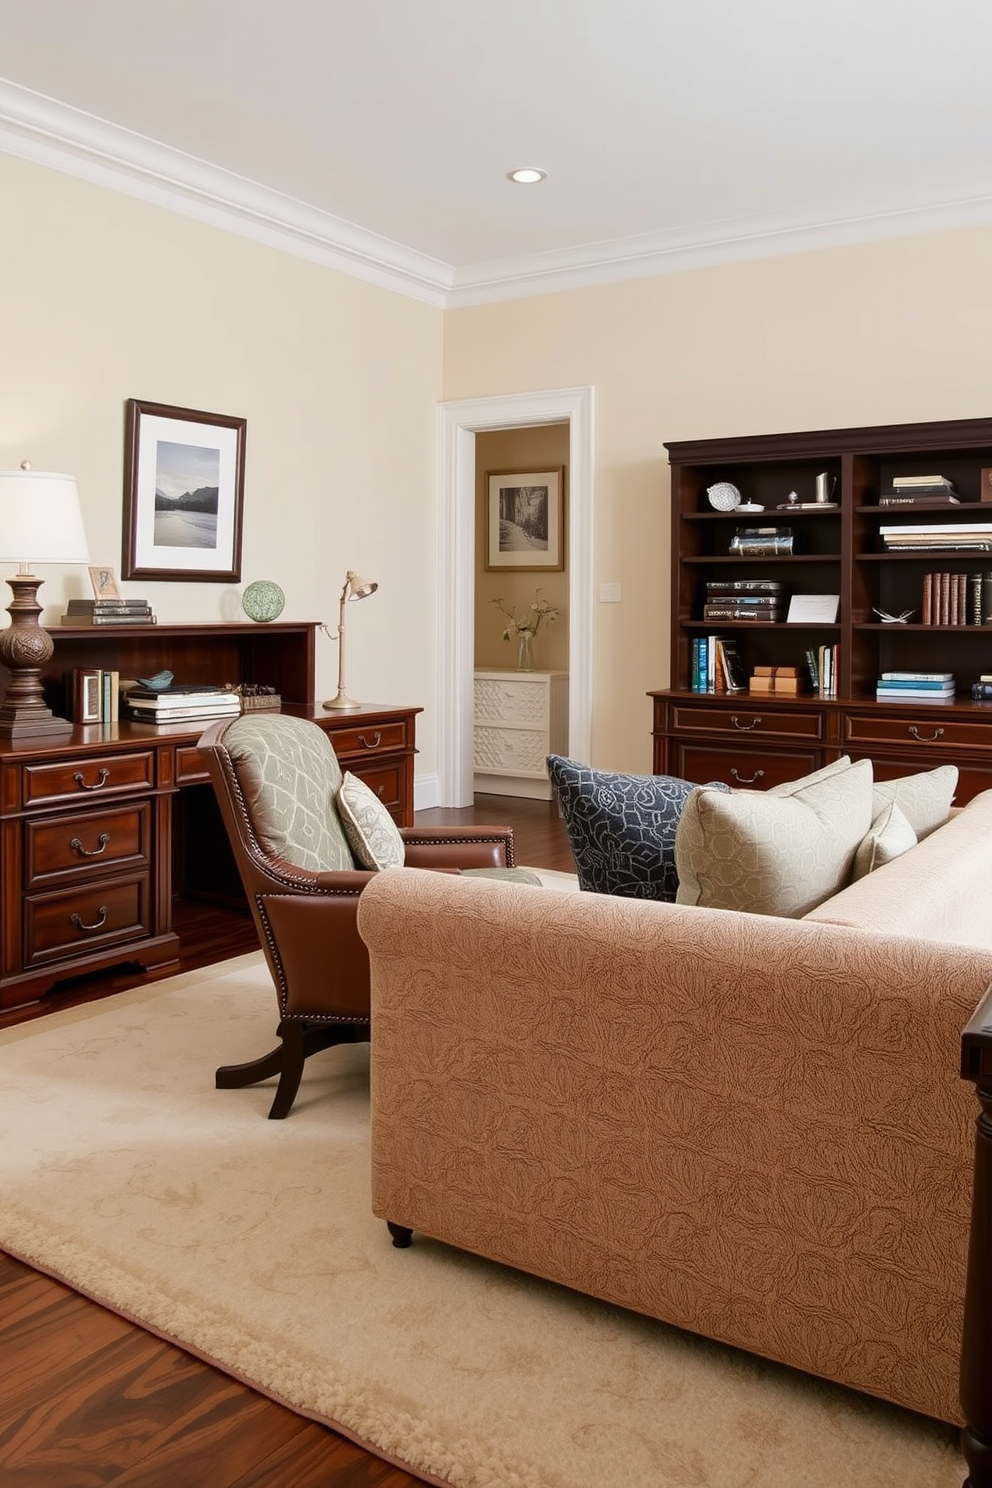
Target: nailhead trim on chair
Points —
{"points": [[480, 838], [277, 959]]}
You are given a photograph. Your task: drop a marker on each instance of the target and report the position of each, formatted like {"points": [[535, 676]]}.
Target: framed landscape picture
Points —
{"points": [[525, 520], [184, 475]]}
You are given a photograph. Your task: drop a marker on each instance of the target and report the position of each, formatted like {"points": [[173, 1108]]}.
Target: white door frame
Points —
{"points": [[460, 421]]}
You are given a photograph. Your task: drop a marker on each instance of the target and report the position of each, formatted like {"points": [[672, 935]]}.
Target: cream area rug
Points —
{"points": [[251, 1242]]}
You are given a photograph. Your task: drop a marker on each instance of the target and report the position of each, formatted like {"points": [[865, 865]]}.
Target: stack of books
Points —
{"points": [[919, 490], [915, 687], [177, 704], [92, 695], [744, 599], [108, 612], [963, 536]]}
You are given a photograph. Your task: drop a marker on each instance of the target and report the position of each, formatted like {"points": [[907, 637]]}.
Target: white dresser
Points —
{"points": [[520, 718]]}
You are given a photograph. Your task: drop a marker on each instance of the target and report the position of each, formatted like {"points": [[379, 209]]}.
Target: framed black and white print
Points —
{"points": [[525, 520], [184, 474]]}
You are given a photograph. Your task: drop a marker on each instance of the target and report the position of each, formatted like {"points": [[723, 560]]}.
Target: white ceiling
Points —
{"points": [[377, 134]]}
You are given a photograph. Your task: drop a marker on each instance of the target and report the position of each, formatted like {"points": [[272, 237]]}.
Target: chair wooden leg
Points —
{"points": [[298, 1041]]}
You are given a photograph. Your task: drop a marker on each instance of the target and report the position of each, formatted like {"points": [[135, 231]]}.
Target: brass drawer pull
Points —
{"points": [[76, 920], [80, 780], [376, 741], [748, 779], [90, 852], [937, 734], [744, 727]]}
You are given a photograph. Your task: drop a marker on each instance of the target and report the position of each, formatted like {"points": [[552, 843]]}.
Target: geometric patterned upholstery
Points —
{"points": [[289, 776], [621, 828]]}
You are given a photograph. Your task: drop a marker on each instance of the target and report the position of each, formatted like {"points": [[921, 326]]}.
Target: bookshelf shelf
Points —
{"points": [[838, 551]]}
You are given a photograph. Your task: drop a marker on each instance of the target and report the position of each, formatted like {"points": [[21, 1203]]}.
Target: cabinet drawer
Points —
{"points": [[74, 922], [86, 843], [511, 751], [385, 782], [191, 767], [743, 766], [369, 738], [917, 727], [972, 778], [752, 716], [81, 779], [516, 702]]}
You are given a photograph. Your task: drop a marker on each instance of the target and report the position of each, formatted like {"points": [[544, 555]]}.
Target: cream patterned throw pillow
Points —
{"points": [[924, 799], [778, 852], [889, 836], [374, 836]]}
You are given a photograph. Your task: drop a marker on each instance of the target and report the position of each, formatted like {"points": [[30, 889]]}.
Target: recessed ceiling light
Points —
{"points": [[528, 175]]}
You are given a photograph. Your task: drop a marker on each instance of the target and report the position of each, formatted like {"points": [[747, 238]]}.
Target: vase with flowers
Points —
{"points": [[523, 626]]}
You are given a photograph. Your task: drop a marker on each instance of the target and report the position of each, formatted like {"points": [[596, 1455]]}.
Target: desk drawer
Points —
{"points": [[191, 767], [74, 922], [369, 738], [920, 726], [81, 779], [84, 844], [751, 715]]}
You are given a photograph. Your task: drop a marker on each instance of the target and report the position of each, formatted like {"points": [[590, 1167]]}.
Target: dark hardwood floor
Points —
{"points": [[89, 1399]]}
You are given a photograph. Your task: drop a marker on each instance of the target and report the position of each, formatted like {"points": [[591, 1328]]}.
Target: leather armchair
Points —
{"points": [[276, 780]]}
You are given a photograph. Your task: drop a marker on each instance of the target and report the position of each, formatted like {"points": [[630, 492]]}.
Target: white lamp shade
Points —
{"points": [[40, 518]]}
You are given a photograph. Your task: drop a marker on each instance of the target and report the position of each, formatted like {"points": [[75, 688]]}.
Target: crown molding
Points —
{"points": [[42, 130], [66, 139]]}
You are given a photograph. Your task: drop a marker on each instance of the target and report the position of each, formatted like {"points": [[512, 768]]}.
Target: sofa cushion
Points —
{"points": [[374, 836], [778, 852], [621, 828], [924, 799], [889, 836]]}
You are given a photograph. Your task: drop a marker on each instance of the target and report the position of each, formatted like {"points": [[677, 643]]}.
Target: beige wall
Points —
{"points": [[103, 298], [542, 448], [883, 333]]}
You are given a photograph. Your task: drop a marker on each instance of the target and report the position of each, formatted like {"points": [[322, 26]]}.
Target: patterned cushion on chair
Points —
{"points": [[374, 836], [621, 828], [289, 775]]}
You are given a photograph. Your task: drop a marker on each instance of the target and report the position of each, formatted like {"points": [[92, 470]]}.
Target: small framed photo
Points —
{"points": [[184, 475], [104, 581], [525, 520], [985, 492]]}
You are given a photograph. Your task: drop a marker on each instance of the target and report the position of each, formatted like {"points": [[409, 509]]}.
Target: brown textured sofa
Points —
{"points": [[750, 1127]]}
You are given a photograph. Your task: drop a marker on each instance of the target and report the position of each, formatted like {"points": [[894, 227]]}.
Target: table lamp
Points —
{"points": [[355, 587], [40, 522]]}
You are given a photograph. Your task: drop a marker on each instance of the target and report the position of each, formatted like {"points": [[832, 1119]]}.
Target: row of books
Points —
{"points": [[919, 490], [915, 687], [92, 695], [108, 612], [716, 665], [934, 536], [824, 669], [957, 599]]}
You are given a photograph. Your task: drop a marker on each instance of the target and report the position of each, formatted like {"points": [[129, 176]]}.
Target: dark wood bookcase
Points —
{"points": [[758, 740]]}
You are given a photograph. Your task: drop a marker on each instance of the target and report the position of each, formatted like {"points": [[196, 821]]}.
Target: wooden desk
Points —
{"points": [[100, 831]]}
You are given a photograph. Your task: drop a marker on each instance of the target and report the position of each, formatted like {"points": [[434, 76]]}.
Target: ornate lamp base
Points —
{"points": [[24, 649]]}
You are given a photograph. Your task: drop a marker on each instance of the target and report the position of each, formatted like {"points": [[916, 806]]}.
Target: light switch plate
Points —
{"points": [[609, 594]]}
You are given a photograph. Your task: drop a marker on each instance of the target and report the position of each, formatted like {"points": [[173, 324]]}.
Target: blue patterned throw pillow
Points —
{"points": [[621, 828]]}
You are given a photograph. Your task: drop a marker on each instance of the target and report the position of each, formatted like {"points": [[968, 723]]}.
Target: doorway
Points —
{"points": [[460, 422]]}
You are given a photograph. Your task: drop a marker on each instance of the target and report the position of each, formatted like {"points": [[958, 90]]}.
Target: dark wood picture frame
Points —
{"points": [[526, 540], [193, 530]]}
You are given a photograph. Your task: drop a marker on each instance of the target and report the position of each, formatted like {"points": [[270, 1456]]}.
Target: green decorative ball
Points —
{"points": [[263, 600]]}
